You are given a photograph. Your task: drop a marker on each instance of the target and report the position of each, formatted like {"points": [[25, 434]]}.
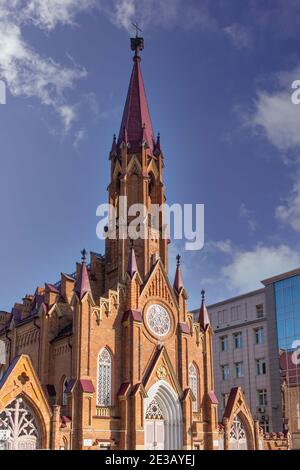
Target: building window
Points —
{"points": [[193, 382], [64, 392], [236, 313], [261, 368], [222, 317], [238, 340], [262, 397], [225, 372], [259, 311], [104, 378], [224, 343], [264, 423], [259, 335], [239, 370]]}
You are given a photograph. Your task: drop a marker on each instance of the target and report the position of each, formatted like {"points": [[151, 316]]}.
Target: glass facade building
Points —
{"points": [[287, 309], [287, 303]]}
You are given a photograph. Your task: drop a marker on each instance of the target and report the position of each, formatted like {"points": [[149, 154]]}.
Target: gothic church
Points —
{"points": [[110, 357]]}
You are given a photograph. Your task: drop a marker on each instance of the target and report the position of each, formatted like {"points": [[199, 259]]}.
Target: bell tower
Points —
{"points": [[137, 164]]}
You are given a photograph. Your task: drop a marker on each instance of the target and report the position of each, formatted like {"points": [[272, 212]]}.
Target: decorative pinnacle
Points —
{"points": [[203, 294], [178, 258], [83, 254]]}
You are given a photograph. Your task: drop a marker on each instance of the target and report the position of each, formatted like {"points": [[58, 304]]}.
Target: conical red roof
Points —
{"points": [[178, 282], [203, 314], [132, 264], [82, 285], [136, 117]]}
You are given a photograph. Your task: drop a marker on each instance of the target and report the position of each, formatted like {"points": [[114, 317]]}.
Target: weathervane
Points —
{"points": [[137, 29], [137, 43], [84, 254]]}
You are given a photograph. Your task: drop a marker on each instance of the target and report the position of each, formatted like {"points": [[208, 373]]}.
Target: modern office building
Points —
{"points": [[241, 353], [255, 347], [283, 307]]}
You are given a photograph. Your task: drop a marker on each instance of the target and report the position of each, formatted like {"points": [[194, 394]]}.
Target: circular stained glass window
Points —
{"points": [[158, 320]]}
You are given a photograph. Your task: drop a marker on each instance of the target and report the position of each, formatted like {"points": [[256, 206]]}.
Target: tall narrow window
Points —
{"points": [[64, 392], [225, 372], [224, 343], [193, 380], [104, 378], [238, 340]]}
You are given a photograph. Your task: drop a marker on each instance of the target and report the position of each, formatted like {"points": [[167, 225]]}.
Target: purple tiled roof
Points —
{"points": [[123, 389], [132, 264], [184, 328], [136, 123], [52, 288], [82, 285], [213, 398], [87, 386], [203, 316], [178, 282], [230, 402], [134, 314]]}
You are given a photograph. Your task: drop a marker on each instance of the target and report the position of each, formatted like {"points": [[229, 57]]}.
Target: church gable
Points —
{"points": [[20, 378], [158, 286], [237, 404], [160, 368], [21, 394]]}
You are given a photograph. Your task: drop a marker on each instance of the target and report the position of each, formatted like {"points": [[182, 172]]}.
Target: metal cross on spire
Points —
{"points": [[137, 43], [137, 29]]}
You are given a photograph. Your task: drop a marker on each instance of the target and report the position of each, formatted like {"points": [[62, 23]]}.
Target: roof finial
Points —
{"points": [[203, 295], [83, 255], [178, 258], [137, 43]]}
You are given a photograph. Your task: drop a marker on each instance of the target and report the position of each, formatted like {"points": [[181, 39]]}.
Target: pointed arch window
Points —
{"points": [[104, 395], [194, 385], [64, 392]]}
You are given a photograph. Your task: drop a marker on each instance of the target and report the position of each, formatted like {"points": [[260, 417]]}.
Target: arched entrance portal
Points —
{"points": [[18, 426], [238, 435], [163, 418]]}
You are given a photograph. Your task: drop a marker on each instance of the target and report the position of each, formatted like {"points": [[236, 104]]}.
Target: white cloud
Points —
{"points": [[222, 246], [26, 72], [248, 215], [289, 212], [162, 13], [49, 13], [279, 118], [79, 137], [249, 267], [124, 14], [239, 35]]}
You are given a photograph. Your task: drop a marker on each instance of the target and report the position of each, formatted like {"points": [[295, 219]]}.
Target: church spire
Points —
{"points": [[132, 264], [178, 283], [136, 121], [82, 285], [203, 314]]}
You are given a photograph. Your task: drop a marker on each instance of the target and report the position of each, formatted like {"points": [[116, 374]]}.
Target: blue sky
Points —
{"points": [[218, 77]]}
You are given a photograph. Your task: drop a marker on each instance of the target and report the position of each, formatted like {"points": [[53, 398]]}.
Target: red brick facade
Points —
{"points": [[62, 332]]}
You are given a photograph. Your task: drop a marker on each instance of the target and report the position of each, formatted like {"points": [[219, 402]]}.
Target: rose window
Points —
{"points": [[158, 320]]}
